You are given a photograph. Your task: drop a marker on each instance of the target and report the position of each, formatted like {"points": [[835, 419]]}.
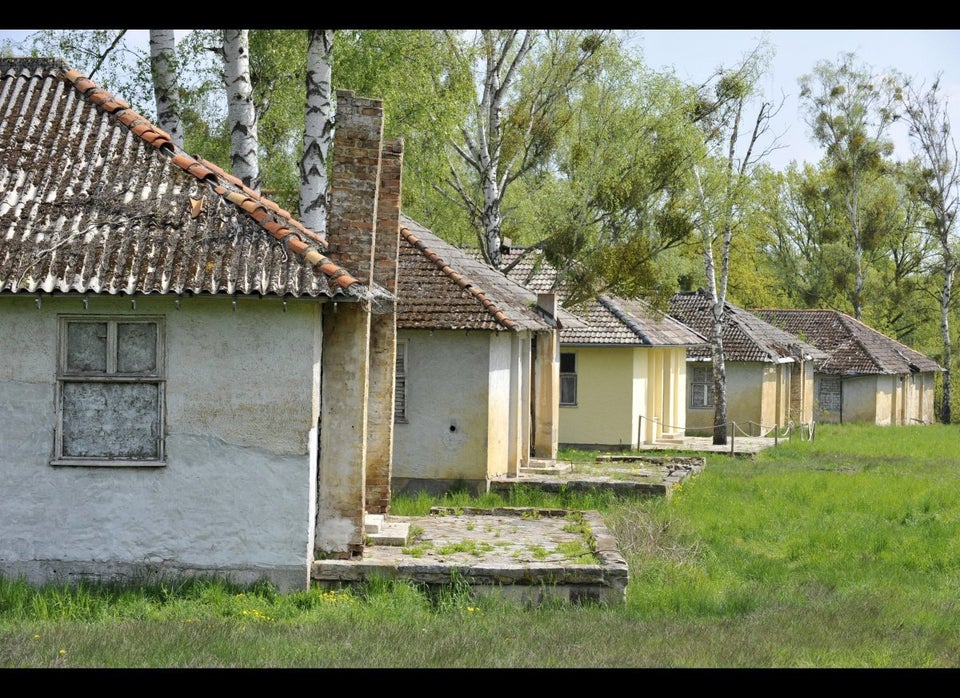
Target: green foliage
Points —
{"points": [[426, 92], [840, 552]]}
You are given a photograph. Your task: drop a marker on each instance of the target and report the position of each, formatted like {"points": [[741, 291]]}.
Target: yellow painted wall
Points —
{"points": [[621, 389], [604, 413], [498, 414], [808, 393]]}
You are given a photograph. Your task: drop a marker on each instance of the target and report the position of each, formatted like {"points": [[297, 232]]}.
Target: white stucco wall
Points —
{"points": [[237, 491], [447, 404]]}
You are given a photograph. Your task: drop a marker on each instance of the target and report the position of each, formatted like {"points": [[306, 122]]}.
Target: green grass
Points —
{"points": [[843, 552]]}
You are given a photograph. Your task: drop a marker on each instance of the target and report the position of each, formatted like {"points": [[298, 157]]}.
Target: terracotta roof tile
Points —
{"points": [[440, 286], [609, 320], [95, 198], [852, 347], [746, 337]]}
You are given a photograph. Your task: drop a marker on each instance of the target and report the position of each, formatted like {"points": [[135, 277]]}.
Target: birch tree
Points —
{"points": [[610, 206], [317, 131], [938, 188], [525, 78], [109, 57], [165, 86], [850, 111], [722, 184], [241, 114]]}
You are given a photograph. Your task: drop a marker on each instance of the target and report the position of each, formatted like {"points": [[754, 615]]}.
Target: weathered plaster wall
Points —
{"points": [[447, 403], [864, 398], [923, 387], [884, 400], [746, 383], [236, 493]]}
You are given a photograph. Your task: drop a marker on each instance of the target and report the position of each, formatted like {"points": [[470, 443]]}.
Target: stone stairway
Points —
{"points": [[380, 531]]}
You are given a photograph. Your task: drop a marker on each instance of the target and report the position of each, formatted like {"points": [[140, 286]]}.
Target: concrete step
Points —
{"points": [[671, 439], [543, 466], [390, 533], [373, 523]]}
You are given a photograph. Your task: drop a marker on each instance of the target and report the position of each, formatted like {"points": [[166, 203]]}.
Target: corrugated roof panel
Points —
{"points": [[93, 198]]}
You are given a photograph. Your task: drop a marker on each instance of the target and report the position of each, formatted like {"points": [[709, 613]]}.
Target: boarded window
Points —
{"points": [[400, 387], [110, 392], [829, 395], [701, 387], [568, 378]]}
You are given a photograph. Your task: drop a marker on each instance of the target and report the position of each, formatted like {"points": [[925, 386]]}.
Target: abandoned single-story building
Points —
{"points": [[186, 369], [477, 369], [866, 376], [769, 371], [622, 373]]}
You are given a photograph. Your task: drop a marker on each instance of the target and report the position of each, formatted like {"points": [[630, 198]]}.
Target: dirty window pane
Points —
{"points": [[830, 395], [568, 363], [568, 390], [110, 420], [87, 346], [136, 347], [701, 387], [400, 385]]}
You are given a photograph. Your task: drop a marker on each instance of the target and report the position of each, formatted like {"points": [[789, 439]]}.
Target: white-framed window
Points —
{"points": [[701, 386], [110, 391], [568, 378], [400, 385]]}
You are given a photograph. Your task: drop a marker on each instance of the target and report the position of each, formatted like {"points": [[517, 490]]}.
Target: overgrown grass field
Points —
{"points": [[843, 552]]}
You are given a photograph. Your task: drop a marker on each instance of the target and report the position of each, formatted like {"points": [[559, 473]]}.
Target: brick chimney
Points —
{"points": [[355, 183], [350, 359], [383, 334]]}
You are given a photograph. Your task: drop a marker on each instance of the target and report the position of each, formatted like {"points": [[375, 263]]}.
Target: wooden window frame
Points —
{"points": [[111, 375], [570, 378], [704, 387], [400, 384]]}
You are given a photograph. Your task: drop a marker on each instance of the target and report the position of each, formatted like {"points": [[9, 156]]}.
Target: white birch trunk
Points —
{"points": [[241, 114], [945, 296], [165, 88], [317, 132]]}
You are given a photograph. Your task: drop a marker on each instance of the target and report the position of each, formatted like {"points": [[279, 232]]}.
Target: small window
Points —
{"points": [[568, 378], [110, 389], [400, 385], [701, 387], [829, 395]]}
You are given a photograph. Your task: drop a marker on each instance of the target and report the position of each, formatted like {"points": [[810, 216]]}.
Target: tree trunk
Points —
{"points": [[165, 88], [945, 412], [241, 114], [317, 132]]}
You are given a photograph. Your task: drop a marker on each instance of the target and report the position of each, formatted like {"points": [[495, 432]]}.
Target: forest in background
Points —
{"points": [[629, 180]]}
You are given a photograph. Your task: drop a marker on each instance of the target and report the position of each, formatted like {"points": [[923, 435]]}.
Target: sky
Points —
{"points": [[695, 53], [920, 53]]}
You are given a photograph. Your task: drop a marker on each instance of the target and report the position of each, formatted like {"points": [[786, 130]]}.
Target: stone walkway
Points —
{"points": [[527, 554]]}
